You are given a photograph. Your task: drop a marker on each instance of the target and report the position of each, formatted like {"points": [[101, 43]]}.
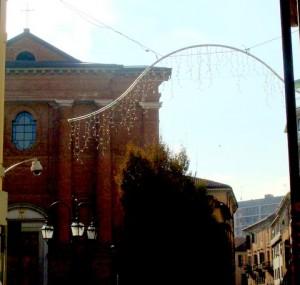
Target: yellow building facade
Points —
{"points": [[268, 250]]}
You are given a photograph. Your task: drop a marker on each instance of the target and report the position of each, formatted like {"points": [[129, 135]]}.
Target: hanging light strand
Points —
{"points": [[200, 63]]}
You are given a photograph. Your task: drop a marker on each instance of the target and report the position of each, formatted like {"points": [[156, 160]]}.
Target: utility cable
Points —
{"points": [[101, 24], [267, 42]]}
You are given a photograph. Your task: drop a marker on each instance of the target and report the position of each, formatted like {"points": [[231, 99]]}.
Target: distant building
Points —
{"points": [[281, 242], [224, 206], [251, 211], [264, 256], [241, 261], [259, 269]]}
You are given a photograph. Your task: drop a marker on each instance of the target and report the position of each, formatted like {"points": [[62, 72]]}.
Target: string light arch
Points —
{"points": [[121, 113]]}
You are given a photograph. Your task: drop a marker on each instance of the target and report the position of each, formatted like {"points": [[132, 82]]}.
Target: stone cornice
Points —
{"points": [[102, 102], [64, 103], [150, 105], [48, 71], [126, 71]]}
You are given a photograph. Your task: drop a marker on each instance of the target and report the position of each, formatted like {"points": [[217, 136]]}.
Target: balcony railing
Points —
{"points": [[275, 239], [266, 265]]}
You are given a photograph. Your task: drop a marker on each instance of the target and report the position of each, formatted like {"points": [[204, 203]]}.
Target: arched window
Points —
{"points": [[25, 56], [24, 131]]}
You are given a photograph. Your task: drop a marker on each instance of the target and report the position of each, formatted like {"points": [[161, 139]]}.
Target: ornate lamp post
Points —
{"points": [[77, 227], [72, 249]]}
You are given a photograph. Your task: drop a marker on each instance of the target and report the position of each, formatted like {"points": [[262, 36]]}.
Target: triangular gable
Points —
{"points": [[42, 51]]}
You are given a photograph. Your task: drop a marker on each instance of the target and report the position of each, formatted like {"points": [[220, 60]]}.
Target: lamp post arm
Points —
{"points": [[5, 170], [57, 203], [85, 204]]}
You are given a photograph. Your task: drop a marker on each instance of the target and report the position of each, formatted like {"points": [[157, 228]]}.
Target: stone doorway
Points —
{"points": [[26, 250]]}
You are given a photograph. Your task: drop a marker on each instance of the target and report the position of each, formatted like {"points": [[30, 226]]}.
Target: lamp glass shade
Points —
{"points": [[91, 231], [77, 229], [47, 231]]}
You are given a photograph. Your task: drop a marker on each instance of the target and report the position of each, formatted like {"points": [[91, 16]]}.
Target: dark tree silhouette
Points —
{"points": [[170, 236]]}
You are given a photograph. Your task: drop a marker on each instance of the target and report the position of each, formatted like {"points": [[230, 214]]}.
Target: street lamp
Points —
{"points": [[75, 250], [77, 227], [91, 231], [47, 231]]}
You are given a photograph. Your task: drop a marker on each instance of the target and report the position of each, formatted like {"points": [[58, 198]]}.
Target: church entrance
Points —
{"points": [[23, 256], [26, 250]]}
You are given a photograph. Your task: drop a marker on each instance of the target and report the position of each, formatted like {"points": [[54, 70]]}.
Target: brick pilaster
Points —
{"points": [[104, 196], [150, 122], [64, 170]]}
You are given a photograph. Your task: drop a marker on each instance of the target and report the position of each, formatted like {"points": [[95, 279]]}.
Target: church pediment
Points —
{"points": [[28, 47]]}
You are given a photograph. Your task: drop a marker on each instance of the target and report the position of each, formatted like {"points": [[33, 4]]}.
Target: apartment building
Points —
{"points": [[251, 211], [280, 242], [259, 254], [263, 257], [240, 261], [224, 205]]}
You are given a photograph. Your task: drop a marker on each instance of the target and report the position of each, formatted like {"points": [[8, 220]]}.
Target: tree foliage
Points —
{"points": [[170, 236]]}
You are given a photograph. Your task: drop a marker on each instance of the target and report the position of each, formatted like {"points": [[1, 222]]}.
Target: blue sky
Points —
{"points": [[231, 121]]}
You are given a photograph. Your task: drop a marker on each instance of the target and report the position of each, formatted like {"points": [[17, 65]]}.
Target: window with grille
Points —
{"points": [[24, 131], [25, 56]]}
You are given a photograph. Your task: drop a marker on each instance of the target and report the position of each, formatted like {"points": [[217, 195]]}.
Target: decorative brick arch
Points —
{"points": [[25, 211]]}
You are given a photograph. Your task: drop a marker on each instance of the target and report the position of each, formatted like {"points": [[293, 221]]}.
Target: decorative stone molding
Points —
{"points": [[64, 103], [21, 211], [150, 105], [58, 70], [102, 102], [24, 214]]}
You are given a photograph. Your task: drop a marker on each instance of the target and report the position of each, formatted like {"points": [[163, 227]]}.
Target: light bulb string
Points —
{"points": [[150, 67]]}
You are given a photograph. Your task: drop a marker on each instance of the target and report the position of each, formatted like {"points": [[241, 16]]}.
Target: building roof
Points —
{"points": [[27, 35], [50, 58], [261, 223], [240, 244], [214, 186], [285, 203], [56, 64], [209, 184], [60, 65]]}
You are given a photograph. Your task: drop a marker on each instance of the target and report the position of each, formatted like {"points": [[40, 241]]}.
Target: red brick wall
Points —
{"points": [[52, 96], [69, 85], [63, 175]]}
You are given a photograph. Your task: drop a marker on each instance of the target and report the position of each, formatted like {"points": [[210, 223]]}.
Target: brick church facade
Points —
{"points": [[45, 87]]}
